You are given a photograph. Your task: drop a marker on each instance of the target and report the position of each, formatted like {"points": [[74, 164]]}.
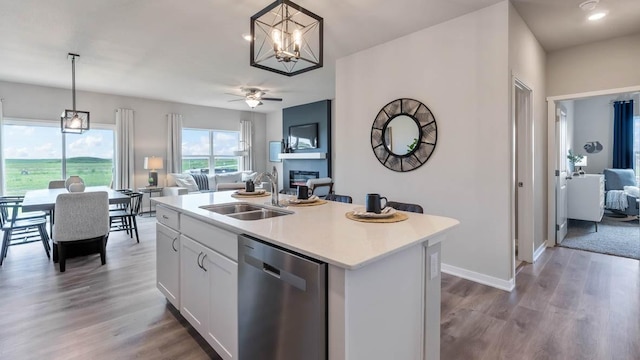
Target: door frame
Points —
{"points": [[522, 151], [552, 150]]}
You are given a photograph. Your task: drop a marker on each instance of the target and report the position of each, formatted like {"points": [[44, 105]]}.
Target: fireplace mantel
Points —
{"points": [[303, 155]]}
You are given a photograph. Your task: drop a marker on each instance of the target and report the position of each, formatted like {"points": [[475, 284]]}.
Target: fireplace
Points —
{"points": [[297, 177]]}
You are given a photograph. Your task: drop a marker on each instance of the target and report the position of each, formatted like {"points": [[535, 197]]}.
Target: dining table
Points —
{"points": [[45, 199]]}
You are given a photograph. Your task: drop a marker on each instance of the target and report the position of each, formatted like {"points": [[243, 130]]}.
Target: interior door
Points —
{"points": [[561, 175]]}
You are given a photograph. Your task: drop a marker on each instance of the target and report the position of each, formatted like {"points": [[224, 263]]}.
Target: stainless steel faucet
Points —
{"points": [[273, 178]]}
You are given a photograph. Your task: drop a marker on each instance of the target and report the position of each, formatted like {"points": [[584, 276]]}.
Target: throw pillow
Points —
{"points": [[246, 176], [186, 181], [632, 190], [229, 178]]}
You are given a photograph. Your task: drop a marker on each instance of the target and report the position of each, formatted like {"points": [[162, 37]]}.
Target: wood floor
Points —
{"points": [[569, 305]]}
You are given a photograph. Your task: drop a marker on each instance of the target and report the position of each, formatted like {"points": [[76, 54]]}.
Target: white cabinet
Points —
{"points": [[168, 263], [209, 294], [585, 197]]}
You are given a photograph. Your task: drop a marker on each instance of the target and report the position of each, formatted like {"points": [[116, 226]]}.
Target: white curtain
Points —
{"points": [[1, 154], [174, 143], [246, 143], [125, 169]]}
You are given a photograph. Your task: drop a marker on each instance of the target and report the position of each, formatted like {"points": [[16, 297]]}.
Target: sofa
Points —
{"points": [[621, 190], [186, 183]]}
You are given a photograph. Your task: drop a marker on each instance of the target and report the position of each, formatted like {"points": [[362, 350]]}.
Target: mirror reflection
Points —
{"points": [[401, 135]]}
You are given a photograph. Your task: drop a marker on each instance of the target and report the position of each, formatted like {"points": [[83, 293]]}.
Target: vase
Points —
{"points": [[74, 184]]}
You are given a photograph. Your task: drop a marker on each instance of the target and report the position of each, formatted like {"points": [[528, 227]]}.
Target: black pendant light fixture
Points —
{"points": [[74, 121], [286, 39]]}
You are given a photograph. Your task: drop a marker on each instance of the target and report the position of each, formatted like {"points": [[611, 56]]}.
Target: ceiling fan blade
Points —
{"points": [[235, 100], [234, 94], [271, 99]]}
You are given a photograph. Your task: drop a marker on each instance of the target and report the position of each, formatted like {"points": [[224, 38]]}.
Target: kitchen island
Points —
{"points": [[383, 291]]}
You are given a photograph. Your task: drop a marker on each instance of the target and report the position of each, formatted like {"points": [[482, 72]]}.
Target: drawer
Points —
{"points": [[222, 241], [168, 217]]}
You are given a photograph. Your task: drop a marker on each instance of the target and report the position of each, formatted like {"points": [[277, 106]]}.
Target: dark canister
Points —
{"points": [[303, 192], [373, 202], [249, 186]]}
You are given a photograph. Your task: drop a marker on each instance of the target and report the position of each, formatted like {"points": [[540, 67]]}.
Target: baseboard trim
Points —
{"points": [[501, 284], [539, 251]]}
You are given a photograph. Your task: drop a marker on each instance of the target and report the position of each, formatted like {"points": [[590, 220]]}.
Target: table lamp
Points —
{"points": [[153, 163], [580, 164]]}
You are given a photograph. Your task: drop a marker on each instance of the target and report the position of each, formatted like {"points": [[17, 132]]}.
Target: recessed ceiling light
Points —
{"points": [[247, 37], [597, 16]]}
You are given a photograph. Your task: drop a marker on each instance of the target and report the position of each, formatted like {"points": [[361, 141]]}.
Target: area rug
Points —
{"points": [[614, 237]]}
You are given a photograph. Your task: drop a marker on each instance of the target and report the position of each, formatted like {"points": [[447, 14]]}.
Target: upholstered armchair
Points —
{"points": [[80, 218], [620, 185]]}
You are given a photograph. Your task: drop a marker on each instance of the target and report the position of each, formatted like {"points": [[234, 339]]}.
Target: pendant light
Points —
{"points": [[286, 39], [74, 121]]}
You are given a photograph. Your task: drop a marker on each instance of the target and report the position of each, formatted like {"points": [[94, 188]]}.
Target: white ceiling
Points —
{"points": [[193, 51]]}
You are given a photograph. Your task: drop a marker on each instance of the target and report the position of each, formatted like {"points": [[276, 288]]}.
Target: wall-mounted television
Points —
{"points": [[303, 136]]}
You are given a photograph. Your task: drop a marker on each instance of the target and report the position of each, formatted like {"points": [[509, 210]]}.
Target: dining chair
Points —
{"points": [[339, 198], [80, 218], [318, 186], [56, 184], [125, 219], [405, 207], [18, 229]]}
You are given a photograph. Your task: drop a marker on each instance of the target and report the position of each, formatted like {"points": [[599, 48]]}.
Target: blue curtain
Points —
{"points": [[623, 134]]}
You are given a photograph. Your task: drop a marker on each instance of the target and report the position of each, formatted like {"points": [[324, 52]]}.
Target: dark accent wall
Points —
{"points": [[317, 112]]}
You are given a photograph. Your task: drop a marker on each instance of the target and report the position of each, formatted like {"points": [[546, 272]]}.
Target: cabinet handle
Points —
{"points": [[165, 217], [202, 266], [173, 244], [198, 260]]}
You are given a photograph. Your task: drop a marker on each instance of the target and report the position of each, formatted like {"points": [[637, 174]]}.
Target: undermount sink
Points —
{"points": [[246, 211]]}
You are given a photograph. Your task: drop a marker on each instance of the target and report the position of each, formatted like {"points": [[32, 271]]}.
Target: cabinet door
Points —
{"points": [[223, 304], [168, 263], [194, 283]]}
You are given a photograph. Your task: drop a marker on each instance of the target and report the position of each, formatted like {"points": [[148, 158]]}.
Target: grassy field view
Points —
{"points": [[22, 175]]}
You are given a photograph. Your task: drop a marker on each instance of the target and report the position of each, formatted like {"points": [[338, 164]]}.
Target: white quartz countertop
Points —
{"points": [[322, 232]]}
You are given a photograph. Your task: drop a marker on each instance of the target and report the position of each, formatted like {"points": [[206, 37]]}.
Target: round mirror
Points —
{"points": [[404, 135], [401, 135]]}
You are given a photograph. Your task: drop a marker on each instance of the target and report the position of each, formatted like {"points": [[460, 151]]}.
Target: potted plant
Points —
{"points": [[573, 159]]}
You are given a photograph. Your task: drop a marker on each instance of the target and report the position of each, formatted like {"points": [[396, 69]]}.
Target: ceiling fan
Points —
{"points": [[254, 97]]}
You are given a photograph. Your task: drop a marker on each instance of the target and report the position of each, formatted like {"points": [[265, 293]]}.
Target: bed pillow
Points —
{"points": [[186, 181], [632, 190]]}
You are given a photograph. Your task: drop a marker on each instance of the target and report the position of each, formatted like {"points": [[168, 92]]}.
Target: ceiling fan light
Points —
{"points": [[597, 16], [253, 102]]}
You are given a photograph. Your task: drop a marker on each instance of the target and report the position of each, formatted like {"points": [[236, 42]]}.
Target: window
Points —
{"points": [[636, 147], [35, 153], [206, 149]]}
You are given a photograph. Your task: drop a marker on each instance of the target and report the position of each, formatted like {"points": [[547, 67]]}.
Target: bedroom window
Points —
{"points": [[204, 150], [636, 147]]}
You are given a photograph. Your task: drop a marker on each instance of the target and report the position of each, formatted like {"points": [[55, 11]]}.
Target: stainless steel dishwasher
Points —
{"points": [[282, 303]]}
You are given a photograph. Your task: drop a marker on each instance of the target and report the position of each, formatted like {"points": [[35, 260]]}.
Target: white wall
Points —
{"points": [[459, 69], [527, 62], [274, 133], [46, 103], [594, 122], [609, 64]]}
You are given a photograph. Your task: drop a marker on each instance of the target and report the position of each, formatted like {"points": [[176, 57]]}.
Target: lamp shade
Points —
{"points": [[153, 163]]}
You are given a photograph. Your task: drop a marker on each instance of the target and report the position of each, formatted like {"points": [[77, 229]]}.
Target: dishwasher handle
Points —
{"points": [[271, 270]]}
